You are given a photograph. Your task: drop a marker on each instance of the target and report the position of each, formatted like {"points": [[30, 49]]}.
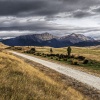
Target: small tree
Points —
{"points": [[51, 50], [33, 50], [69, 51]]}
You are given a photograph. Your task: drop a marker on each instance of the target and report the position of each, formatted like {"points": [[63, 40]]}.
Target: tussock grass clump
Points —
{"points": [[20, 81], [74, 62]]}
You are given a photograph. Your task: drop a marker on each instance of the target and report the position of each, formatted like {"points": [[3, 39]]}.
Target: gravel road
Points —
{"points": [[80, 76]]}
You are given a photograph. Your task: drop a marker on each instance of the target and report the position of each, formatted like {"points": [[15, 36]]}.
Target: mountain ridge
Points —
{"points": [[47, 39], [76, 38]]}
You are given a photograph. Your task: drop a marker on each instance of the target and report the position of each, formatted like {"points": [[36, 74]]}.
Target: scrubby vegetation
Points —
{"points": [[2, 46], [69, 58], [88, 58], [32, 50]]}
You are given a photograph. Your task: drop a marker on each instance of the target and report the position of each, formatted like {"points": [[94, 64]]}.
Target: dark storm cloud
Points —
{"points": [[42, 7], [34, 26], [81, 14], [15, 7], [97, 9], [30, 7], [50, 10]]}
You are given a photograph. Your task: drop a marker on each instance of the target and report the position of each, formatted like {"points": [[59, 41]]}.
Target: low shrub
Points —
{"points": [[74, 62], [85, 61], [57, 59], [72, 56], [38, 54], [81, 57], [65, 59], [32, 50], [18, 48], [42, 54], [51, 57]]}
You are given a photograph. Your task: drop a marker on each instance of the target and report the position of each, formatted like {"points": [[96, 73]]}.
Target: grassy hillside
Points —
{"points": [[20, 81], [2, 46], [89, 52], [90, 56]]}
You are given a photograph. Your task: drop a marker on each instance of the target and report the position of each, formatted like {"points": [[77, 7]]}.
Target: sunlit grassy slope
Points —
{"points": [[89, 52], [2, 46], [20, 81]]}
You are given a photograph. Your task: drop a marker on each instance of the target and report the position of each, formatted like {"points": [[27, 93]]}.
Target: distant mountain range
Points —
{"points": [[47, 39]]}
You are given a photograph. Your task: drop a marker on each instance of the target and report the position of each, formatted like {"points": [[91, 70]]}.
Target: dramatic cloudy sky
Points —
{"points": [[58, 17]]}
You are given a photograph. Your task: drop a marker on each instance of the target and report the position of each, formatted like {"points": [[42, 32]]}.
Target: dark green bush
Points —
{"points": [[51, 57], [85, 61], [33, 50], [81, 57], [75, 63], [38, 54], [72, 56]]}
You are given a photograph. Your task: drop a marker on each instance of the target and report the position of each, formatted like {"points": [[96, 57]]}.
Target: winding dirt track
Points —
{"points": [[80, 76]]}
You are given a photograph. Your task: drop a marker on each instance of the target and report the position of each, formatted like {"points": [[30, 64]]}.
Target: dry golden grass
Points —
{"points": [[89, 52], [20, 81], [92, 53], [2, 46]]}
